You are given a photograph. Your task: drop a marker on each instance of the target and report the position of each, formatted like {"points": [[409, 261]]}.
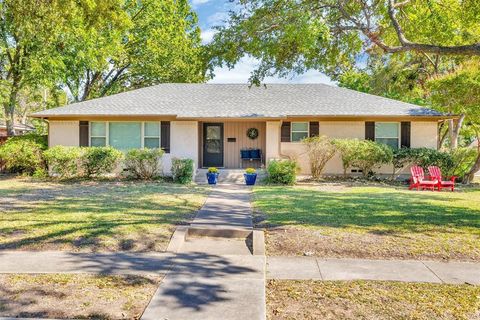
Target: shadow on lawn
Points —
{"points": [[82, 216], [28, 297], [402, 211]]}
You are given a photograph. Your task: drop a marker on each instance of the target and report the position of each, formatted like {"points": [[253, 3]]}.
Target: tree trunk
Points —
{"points": [[9, 108], [475, 168], [442, 135], [454, 131]]}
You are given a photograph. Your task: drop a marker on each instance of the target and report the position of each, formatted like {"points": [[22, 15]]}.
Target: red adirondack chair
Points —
{"points": [[436, 173], [418, 179]]}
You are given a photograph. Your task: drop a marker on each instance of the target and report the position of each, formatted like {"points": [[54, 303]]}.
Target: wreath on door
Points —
{"points": [[252, 133]]}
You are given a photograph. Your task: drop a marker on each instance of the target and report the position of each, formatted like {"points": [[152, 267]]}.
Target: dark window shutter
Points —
{"points": [[405, 135], [83, 133], [165, 136], [285, 132], [314, 129], [370, 130]]}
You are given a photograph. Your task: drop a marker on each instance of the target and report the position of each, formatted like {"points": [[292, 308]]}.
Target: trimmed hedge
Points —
{"points": [[24, 154], [64, 161], [282, 172], [144, 163], [363, 154], [182, 170], [100, 160]]}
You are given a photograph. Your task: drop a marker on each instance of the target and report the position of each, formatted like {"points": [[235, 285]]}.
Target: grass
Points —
{"points": [[287, 299], [93, 216], [75, 296], [339, 220]]}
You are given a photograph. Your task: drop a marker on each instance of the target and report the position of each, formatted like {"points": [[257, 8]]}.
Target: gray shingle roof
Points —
{"points": [[238, 100]]}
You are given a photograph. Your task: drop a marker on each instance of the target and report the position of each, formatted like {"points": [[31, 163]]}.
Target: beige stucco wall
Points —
{"points": [[64, 133], [183, 143], [423, 134]]}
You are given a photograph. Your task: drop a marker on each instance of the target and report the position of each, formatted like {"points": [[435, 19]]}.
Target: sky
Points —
{"points": [[213, 13]]}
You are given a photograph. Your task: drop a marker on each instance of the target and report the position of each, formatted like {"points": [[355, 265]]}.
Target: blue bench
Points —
{"points": [[250, 155]]}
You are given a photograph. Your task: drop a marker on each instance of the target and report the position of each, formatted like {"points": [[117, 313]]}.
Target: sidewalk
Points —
{"points": [[303, 268], [211, 265]]}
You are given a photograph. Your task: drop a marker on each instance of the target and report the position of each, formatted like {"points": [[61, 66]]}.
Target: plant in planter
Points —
{"points": [[250, 176], [212, 175]]}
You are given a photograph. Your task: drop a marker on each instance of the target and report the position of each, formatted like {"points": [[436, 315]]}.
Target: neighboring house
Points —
{"points": [[209, 122], [18, 128]]}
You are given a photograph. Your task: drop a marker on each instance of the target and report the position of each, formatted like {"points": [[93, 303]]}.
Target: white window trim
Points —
{"points": [[398, 131], [107, 130], [90, 136], [292, 131], [156, 137]]}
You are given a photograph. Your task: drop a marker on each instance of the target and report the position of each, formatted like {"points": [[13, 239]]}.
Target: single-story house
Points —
{"points": [[18, 128], [212, 123]]}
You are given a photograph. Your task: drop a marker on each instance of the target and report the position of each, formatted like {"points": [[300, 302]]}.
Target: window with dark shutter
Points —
{"points": [[314, 129], [285, 132], [405, 133], [370, 130], [165, 136], [83, 134]]}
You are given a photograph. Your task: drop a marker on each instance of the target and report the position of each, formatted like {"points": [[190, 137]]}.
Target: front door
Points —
{"points": [[213, 144]]}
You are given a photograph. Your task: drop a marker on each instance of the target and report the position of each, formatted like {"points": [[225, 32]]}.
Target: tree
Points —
{"points": [[459, 92], [320, 150], [34, 38], [328, 35], [160, 42], [404, 77]]}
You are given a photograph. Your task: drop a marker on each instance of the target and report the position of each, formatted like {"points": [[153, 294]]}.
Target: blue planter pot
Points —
{"points": [[212, 177], [250, 178]]}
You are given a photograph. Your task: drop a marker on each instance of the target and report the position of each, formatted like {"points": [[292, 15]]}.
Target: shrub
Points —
{"points": [[348, 150], [23, 154], [63, 160], [100, 160], [250, 171], [320, 150], [423, 157], [430, 157], [144, 163], [363, 154], [182, 170], [372, 155], [282, 172]]}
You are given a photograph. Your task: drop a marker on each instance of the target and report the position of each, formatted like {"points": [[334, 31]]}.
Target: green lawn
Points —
{"points": [[340, 220], [75, 296], [93, 216], [371, 300]]}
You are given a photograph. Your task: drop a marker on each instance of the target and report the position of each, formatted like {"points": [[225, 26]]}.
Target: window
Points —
{"points": [[387, 133], [98, 134], [299, 131], [151, 135], [125, 135]]}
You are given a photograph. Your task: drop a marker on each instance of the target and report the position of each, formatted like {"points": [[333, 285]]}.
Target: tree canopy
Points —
{"points": [[159, 42], [330, 35], [94, 47]]}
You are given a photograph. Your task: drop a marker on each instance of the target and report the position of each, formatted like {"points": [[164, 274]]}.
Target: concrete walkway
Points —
{"points": [[103, 263], [227, 207], [302, 268], [226, 281]]}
